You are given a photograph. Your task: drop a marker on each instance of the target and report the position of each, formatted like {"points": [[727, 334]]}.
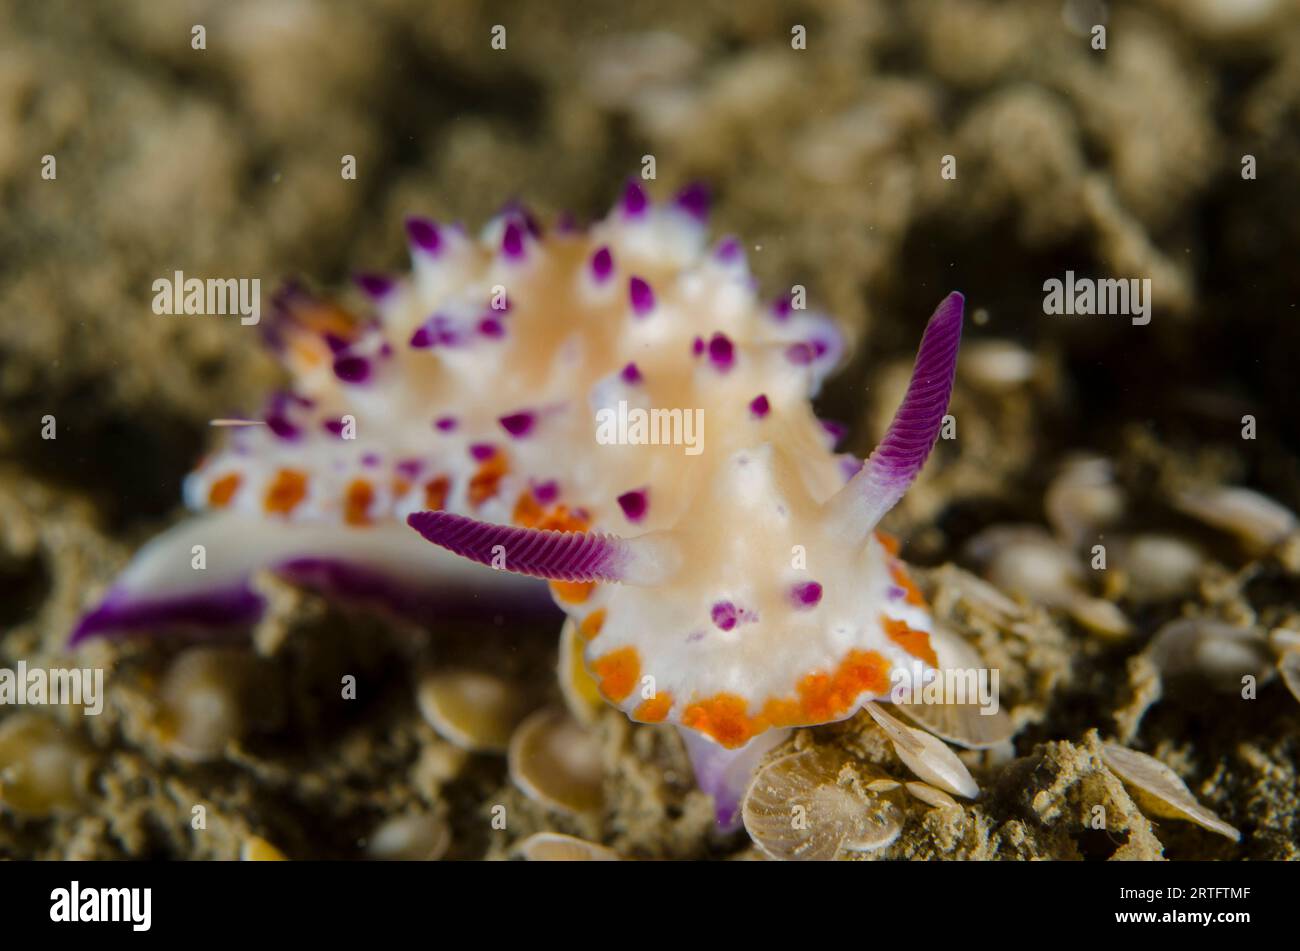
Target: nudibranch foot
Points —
{"points": [[726, 774], [198, 575]]}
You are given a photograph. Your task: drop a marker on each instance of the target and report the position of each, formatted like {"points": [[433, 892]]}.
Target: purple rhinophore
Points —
{"points": [[445, 424], [424, 235], [481, 451], [641, 296], [900, 455], [800, 354], [724, 615], [602, 264], [721, 352], [539, 553], [759, 406], [352, 369], [634, 199], [512, 241], [694, 199], [491, 327], [634, 504], [519, 424], [630, 374], [807, 594], [546, 492], [374, 285]]}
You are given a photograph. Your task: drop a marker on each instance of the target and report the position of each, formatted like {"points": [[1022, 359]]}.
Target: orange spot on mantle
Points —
{"points": [[617, 673], [223, 490], [485, 482], [286, 491], [357, 501], [653, 710], [435, 492], [822, 697], [916, 643], [903, 580], [591, 624]]}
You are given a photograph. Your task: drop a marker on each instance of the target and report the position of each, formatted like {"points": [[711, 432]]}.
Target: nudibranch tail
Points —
{"points": [[544, 553], [895, 463], [199, 575]]}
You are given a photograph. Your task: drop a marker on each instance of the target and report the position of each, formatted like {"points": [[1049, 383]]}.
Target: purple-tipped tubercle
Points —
{"points": [[423, 235], [602, 264], [634, 201], [641, 296]]}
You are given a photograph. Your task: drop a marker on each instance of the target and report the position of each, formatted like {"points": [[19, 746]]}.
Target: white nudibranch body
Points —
{"points": [[609, 408]]}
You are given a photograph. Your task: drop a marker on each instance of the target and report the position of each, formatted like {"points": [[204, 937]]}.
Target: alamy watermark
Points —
{"points": [[624, 426], [212, 297], [57, 686], [1085, 296], [918, 684]]}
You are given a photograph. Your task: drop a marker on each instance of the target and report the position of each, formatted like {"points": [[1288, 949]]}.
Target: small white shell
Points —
{"points": [[1024, 560], [797, 809], [556, 847], [1252, 516], [1215, 651], [1159, 790], [205, 695], [1082, 499], [474, 710], [925, 755], [997, 366], [417, 837], [557, 762], [931, 796], [1159, 567]]}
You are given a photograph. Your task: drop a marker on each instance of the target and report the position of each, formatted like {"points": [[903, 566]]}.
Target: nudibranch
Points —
{"points": [[611, 409]]}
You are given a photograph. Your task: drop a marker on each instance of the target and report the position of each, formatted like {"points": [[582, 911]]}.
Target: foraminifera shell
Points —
{"points": [[1159, 790], [1252, 516], [43, 769], [799, 808], [476, 711], [415, 837], [556, 761], [1212, 651], [557, 847]]}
